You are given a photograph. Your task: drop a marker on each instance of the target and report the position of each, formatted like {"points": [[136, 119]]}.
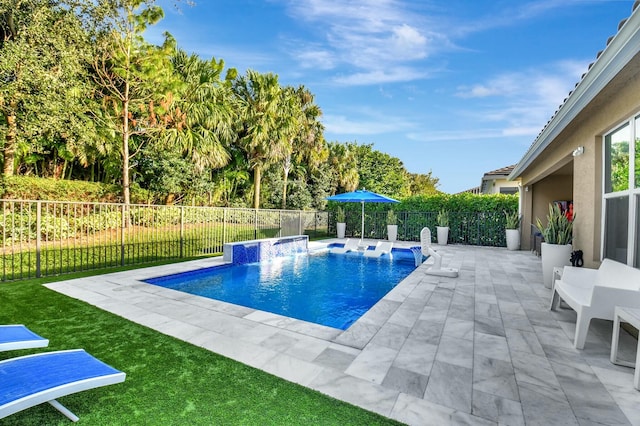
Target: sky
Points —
{"points": [[452, 87]]}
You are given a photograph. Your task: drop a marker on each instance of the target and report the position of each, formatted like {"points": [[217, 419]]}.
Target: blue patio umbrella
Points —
{"points": [[361, 196]]}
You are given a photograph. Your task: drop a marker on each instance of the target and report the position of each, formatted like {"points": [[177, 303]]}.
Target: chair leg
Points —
{"points": [[582, 327], [555, 301]]}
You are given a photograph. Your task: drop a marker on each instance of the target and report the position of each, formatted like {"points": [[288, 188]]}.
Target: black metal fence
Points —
{"points": [[43, 238], [471, 228]]}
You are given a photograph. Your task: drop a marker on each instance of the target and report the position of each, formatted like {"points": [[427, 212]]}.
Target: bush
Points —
{"points": [[34, 188]]}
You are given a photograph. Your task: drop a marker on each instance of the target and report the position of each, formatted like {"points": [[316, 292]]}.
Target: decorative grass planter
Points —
{"points": [[443, 234], [554, 255], [341, 228], [392, 232], [513, 239]]}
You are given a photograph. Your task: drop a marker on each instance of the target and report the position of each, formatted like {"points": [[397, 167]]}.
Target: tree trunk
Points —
{"points": [[10, 142], [286, 168], [125, 146], [257, 176]]}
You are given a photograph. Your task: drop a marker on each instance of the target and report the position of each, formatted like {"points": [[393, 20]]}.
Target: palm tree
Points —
{"points": [[260, 134], [344, 166], [200, 121], [306, 135]]}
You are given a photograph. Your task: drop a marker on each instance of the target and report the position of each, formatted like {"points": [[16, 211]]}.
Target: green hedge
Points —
{"points": [[474, 219], [34, 188]]}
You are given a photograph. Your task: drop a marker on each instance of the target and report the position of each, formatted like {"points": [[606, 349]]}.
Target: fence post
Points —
{"points": [[255, 225], [224, 226], [38, 239], [300, 231], [181, 232], [123, 236]]}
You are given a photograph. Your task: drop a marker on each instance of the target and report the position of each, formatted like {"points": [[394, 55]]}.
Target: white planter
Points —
{"points": [[554, 255], [513, 239], [392, 232], [341, 227], [443, 234]]}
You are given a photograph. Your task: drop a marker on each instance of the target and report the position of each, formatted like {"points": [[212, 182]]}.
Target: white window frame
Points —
{"points": [[632, 192]]}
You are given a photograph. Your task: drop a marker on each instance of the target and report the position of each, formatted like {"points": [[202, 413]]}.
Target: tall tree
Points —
{"points": [[201, 119], [135, 78], [343, 159], [260, 97], [43, 57], [380, 172], [306, 133]]}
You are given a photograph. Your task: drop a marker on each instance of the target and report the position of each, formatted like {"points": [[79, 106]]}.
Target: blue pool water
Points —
{"points": [[328, 289]]}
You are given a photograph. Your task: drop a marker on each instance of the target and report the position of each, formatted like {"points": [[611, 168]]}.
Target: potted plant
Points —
{"points": [[512, 226], [442, 228], [556, 248], [341, 225], [392, 225]]}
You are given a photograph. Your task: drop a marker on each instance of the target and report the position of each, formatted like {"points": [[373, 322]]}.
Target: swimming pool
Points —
{"points": [[328, 289]]}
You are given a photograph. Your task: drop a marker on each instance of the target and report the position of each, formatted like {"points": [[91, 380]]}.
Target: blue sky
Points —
{"points": [[456, 87]]}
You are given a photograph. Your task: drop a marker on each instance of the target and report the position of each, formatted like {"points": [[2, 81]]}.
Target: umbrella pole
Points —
{"points": [[362, 230]]}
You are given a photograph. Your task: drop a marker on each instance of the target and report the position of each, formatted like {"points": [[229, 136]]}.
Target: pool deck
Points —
{"points": [[479, 349]]}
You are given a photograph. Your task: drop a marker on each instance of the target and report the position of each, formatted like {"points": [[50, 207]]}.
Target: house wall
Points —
{"points": [[493, 187], [615, 103]]}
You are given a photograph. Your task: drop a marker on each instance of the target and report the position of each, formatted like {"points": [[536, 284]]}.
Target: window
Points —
{"points": [[509, 190], [616, 230], [621, 204], [617, 160]]}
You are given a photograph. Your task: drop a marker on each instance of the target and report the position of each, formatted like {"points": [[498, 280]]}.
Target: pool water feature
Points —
{"points": [[328, 289]]}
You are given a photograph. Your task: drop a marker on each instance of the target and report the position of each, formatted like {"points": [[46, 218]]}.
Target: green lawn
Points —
{"points": [[169, 382]]}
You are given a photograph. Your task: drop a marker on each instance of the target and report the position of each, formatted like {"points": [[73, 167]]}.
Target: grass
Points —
{"points": [[169, 382]]}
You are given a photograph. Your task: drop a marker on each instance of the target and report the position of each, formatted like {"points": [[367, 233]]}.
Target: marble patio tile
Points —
{"points": [[334, 358], [307, 349], [406, 315], [587, 395], [416, 356], [358, 335], [535, 370], [495, 377], [461, 312], [491, 346], [372, 364], [455, 351], [391, 336], [513, 308], [406, 381], [542, 410], [523, 341], [279, 342], [489, 325], [489, 298], [484, 309], [502, 410], [419, 412], [516, 322], [292, 369], [427, 332], [462, 329], [450, 385], [619, 384], [439, 300], [356, 391], [552, 336], [432, 314]]}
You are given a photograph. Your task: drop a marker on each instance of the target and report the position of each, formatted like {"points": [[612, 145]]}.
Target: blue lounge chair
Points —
{"points": [[34, 379], [17, 336]]}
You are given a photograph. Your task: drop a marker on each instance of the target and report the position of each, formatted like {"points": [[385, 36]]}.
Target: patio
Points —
{"points": [[482, 348]]}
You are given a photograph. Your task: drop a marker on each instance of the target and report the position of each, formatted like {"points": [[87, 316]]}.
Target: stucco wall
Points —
{"points": [[615, 103]]}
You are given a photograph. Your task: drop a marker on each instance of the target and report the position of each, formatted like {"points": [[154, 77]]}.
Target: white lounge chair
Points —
{"points": [[595, 293], [427, 250], [382, 247], [349, 245], [17, 336], [34, 379]]}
